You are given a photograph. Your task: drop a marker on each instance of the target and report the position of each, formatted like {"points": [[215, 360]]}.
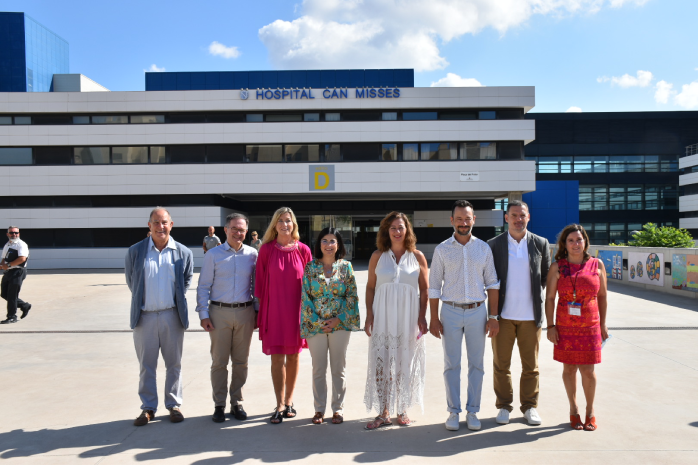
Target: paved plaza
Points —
{"points": [[69, 383]]}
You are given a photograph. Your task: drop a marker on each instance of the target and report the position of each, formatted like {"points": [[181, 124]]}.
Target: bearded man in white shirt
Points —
{"points": [[462, 275], [522, 260]]}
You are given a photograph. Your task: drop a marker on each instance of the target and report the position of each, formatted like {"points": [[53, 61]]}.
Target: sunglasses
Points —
{"points": [[14, 233]]}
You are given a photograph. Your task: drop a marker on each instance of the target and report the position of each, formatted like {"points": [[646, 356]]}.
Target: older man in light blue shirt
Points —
{"points": [[158, 273], [225, 305]]}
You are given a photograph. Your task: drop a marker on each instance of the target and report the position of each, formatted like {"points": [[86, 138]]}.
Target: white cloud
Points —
{"points": [[453, 80], [573, 110], [218, 49], [643, 79], [399, 33], [154, 69], [688, 97], [663, 91]]}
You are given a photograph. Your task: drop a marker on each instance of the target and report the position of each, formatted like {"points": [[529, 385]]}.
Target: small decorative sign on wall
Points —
{"points": [[469, 175]]}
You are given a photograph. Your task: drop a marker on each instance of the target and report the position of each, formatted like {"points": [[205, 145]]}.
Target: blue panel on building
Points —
{"points": [[279, 79], [553, 205], [30, 54]]}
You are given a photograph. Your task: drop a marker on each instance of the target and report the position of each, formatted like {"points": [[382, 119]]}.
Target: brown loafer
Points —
{"points": [[176, 415], [144, 418]]}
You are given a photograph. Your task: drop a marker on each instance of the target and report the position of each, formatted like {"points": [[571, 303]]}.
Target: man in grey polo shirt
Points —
{"points": [[158, 273], [224, 301], [211, 240]]}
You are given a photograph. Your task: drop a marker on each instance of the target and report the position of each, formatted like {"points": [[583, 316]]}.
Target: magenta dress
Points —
{"points": [[278, 286]]}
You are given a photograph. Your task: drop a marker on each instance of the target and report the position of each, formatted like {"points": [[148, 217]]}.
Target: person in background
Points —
{"points": [[14, 262], [329, 313], [396, 306], [579, 280], [255, 241], [159, 271], [522, 260], [211, 240], [463, 276], [278, 286], [226, 309]]}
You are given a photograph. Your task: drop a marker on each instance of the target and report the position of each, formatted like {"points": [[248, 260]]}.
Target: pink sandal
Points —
{"points": [[378, 422]]}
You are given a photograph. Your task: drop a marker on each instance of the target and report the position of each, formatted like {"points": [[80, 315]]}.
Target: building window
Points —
{"points": [[118, 119], [181, 154], [264, 153], [23, 120], [225, 153], [5, 120], [284, 118], [598, 233], [302, 153], [360, 152], [439, 151], [389, 152], [254, 118], [53, 155], [91, 155], [410, 152], [81, 120], [311, 117], [147, 119], [478, 151], [488, 115], [157, 155], [16, 156], [332, 152], [419, 115], [555, 164], [457, 115], [332, 117], [129, 155], [390, 116]]}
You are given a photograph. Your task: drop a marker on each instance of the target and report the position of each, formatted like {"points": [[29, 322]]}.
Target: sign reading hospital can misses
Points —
{"points": [[297, 94], [321, 178]]}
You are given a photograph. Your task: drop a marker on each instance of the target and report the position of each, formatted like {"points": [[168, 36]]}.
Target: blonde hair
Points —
{"points": [[271, 233]]}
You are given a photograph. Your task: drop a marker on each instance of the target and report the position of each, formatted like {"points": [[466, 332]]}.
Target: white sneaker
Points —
{"points": [[532, 417], [503, 417], [453, 422], [472, 421]]}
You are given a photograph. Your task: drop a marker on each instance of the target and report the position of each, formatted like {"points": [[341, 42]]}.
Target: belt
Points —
{"points": [[464, 306], [233, 305]]}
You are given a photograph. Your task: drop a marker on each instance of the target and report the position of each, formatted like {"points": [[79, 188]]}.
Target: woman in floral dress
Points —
{"points": [[579, 280], [329, 313]]}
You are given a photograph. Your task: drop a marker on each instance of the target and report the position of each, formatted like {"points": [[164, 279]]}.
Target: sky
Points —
{"points": [[581, 55]]}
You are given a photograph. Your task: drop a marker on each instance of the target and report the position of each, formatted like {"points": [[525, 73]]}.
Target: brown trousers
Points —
{"points": [[527, 336], [230, 339]]}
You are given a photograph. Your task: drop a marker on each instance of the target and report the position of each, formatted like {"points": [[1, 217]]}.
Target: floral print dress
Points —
{"points": [[323, 300]]}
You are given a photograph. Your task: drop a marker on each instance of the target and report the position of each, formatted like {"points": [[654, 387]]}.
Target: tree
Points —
{"points": [[665, 236]]}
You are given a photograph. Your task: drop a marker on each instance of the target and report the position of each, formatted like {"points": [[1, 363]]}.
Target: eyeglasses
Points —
{"points": [[237, 231], [14, 233]]}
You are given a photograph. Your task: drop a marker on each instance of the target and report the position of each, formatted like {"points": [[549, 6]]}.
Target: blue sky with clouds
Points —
{"points": [[588, 55]]}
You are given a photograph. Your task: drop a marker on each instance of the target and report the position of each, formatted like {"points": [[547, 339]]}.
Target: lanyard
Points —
{"points": [[574, 283]]}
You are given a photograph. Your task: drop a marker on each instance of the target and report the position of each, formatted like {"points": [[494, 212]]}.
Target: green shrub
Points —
{"points": [[666, 236]]}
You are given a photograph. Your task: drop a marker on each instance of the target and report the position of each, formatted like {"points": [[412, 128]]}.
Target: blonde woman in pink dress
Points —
{"points": [[278, 285]]}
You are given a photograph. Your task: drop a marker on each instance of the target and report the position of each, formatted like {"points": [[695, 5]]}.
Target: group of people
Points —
{"points": [[301, 298]]}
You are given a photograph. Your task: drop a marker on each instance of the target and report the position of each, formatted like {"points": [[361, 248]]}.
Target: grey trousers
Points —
{"points": [[230, 339], [159, 332], [336, 344]]}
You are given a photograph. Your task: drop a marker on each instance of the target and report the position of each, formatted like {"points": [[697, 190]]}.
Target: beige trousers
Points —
{"points": [[336, 343], [230, 339]]}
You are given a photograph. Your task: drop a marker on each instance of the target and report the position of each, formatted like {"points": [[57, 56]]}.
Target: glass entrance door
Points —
{"points": [[341, 223]]}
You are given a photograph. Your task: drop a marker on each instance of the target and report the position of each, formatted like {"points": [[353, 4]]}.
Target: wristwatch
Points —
{"points": [[493, 317]]}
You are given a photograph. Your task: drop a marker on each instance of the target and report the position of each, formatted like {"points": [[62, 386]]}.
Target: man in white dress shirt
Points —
{"points": [[462, 275], [522, 260]]}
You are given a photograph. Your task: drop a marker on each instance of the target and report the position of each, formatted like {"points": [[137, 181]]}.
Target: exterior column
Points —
{"points": [[515, 196]]}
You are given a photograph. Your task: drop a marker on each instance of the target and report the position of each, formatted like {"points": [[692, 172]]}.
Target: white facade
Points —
{"points": [[420, 180], [689, 203]]}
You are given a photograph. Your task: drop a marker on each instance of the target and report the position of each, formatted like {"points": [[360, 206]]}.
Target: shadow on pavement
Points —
{"points": [[694, 424], [678, 301], [257, 439]]}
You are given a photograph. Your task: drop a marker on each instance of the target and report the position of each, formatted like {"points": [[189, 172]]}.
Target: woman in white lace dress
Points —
{"points": [[396, 304]]}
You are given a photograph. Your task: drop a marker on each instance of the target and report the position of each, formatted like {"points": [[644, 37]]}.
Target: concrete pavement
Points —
{"points": [[69, 380]]}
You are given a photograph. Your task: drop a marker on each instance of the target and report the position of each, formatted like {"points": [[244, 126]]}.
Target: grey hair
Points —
{"points": [[12, 227], [236, 216], [156, 209]]}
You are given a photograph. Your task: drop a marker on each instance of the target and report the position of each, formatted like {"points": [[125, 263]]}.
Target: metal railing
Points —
{"points": [[692, 150]]}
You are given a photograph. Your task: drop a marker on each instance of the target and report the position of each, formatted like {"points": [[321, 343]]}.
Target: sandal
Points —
{"points": [[378, 422], [576, 422], [404, 420], [289, 411], [590, 424], [318, 418], [276, 417], [337, 418]]}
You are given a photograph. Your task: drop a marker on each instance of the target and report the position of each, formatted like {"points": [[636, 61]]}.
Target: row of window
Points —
{"points": [[628, 197], [607, 164], [237, 153], [272, 117], [616, 233]]}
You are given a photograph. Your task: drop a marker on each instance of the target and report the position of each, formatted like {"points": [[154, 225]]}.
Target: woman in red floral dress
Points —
{"points": [[579, 281]]}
